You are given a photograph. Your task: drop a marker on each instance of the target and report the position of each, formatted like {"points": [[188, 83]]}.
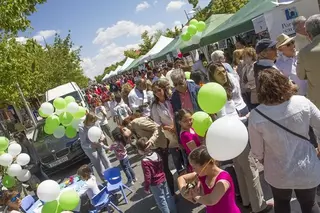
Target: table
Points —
{"points": [[37, 206]]}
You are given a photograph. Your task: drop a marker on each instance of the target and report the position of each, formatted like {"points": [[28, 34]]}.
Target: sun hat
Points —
{"points": [[283, 39]]}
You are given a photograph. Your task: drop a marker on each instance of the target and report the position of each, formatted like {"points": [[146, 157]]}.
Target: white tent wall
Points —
{"points": [[126, 64], [162, 43]]}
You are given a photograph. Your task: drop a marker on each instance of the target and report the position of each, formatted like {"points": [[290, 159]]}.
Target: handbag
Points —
{"points": [[314, 143]]}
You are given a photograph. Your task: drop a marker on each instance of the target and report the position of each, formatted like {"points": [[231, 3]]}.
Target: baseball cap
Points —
{"points": [[264, 44]]}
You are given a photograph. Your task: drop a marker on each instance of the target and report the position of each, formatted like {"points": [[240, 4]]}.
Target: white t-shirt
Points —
{"points": [[123, 111], [90, 187], [101, 117]]}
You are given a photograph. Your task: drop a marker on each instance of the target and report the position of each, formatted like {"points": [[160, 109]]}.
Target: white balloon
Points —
{"points": [[14, 170], [75, 123], [196, 38], [24, 175], [6, 159], [47, 108], [94, 134], [226, 138], [59, 132], [48, 190], [14, 149], [72, 107], [23, 159], [184, 29], [59, 111]]}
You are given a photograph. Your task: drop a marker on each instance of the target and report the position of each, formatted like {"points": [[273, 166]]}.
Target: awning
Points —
{"points": [[126, 65], [240, 22], [134, 64], [163, 53]]}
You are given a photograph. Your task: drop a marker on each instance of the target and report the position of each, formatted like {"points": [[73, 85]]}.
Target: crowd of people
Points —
{"points": [[271, 88]]}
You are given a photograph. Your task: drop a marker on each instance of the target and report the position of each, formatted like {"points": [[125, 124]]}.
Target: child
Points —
{"points": [[122, 110], [90, 187], [188, 137], [12, 201], [155, 178], [121, 153], [214, 189]]}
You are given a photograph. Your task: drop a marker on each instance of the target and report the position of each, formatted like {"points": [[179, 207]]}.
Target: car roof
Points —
{"points": [[61, 91]]}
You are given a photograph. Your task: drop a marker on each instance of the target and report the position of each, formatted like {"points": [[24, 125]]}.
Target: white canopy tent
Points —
{"points": [[126, 64], [106, 76], [116, 72], [160, 45]]}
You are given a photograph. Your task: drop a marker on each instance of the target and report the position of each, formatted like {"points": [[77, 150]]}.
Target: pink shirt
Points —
{"points": [[187, 136], [119, 150], [227, 203], [186, 102]]}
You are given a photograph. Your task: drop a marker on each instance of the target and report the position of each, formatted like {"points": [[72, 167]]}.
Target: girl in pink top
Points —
{"points": [[208, 185], [188, 137]]}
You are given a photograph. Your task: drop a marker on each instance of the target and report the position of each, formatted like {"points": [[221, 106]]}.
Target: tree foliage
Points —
{"points": [[37, 68], [14, 14], [148, 42], [194, 3], [108, 69], [227, 6]]}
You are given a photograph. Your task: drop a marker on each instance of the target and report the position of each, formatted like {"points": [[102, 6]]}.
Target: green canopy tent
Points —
{"points": [[240, 22], [212, 22]]}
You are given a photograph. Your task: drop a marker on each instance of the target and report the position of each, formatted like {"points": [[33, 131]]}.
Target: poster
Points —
{"points": [[279, 20], [259, 24]]}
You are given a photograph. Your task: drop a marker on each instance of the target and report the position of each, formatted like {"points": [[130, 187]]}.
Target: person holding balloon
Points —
{"points": [[208, 184], [245, 165], [90, 143]]}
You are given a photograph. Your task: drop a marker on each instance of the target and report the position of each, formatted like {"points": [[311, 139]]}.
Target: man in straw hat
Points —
{"points": [[287, 61]]}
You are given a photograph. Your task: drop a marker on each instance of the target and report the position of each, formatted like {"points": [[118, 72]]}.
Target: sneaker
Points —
{"points": [[129, 184], [135, 180]]}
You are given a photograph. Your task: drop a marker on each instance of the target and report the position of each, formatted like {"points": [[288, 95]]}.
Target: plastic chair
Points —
{"points": [[113, 177], [101, 200], [27, 202]]}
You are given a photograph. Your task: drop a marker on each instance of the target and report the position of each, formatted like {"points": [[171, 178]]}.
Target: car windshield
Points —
{"points": [[46, 144]]}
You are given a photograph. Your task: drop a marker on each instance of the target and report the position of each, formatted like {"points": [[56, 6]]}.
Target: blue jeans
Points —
{"points": [[126, 167], [164, 200]]}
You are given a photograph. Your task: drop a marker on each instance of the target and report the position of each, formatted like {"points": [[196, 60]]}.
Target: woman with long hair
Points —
{"points": [[162, 114], [279, 138], [247, 173], [92, 149], [145, 127]]}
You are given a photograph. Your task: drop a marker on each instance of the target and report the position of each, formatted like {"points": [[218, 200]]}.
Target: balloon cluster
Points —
{"points": [[227, 137], [13, 161], [193, 32], [56, 200], [63, 117]]}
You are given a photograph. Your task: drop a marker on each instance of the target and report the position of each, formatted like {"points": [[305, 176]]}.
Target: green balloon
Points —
{"points": [[192, 30], [4, 143], [2, 152], [187, 74], [69, 99], [42, 114], [47, 129], [53, 121], [193, 22], [81, 112], [66, 118], [50, 207], [69, 200], [59, 103], [212, 97], [8, 181], [201, 123], [201, 26], [71, 132], [185, 37]]}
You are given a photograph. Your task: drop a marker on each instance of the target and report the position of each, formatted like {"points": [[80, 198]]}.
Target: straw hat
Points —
{"points": [[283, 39]]}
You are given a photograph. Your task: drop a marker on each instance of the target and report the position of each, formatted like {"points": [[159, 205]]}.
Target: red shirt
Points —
{"points": [[130, 82], [186, 102]]}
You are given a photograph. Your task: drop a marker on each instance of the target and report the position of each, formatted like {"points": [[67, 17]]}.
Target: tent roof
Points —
{"points": [[162, 54], [117, 70], [126, 64], [162, 43], [134, 64], [240, 22]]}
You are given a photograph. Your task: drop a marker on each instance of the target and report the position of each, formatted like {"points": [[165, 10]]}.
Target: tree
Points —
{"points": [[108, 69], [194, 3], [14, 14], [36, 68], [173, 33], [227, 6], [132, 53], [147, 43]]}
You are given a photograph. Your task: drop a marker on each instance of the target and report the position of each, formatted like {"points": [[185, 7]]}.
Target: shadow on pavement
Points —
{"points": [[147, 204], [138, 195]]}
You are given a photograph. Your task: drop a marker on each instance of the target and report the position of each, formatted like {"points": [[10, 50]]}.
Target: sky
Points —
{"points": [[104, 28]]}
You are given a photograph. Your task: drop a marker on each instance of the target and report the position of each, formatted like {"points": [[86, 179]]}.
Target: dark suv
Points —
{"points": [[56, 154]]}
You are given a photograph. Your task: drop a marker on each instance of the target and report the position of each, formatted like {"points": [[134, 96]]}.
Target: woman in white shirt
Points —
{"points": [[245, 166], [278, 130]]}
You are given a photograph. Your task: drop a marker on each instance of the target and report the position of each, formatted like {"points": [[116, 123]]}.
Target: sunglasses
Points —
{"points": [[290, 43], [15, 198]]}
